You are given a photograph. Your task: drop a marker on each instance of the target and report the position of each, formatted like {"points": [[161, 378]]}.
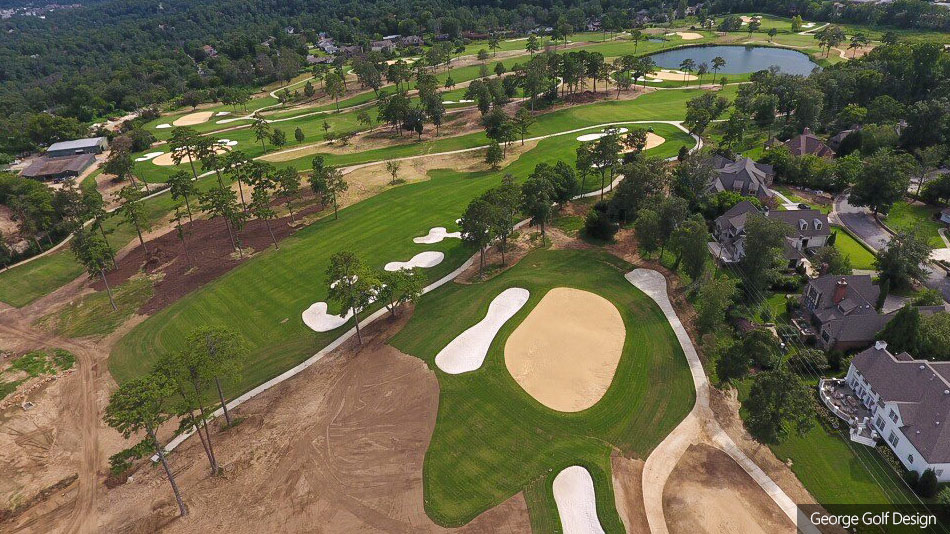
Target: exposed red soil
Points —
{"points": [[209, 255]]}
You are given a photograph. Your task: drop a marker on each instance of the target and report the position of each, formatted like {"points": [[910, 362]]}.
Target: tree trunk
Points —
{"points": [[224, 405], [241, 189], [204, 424], [102, 232], [267, 223], [141, 240], [183, 511], [201, 436], [290, 208], [335, 209], [192, 163], [188, 207], [227, 224], [108, 289], [356, 317]]}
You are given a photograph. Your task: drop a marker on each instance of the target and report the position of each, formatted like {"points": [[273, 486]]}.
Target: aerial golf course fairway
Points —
{"points": [[492, 439]]}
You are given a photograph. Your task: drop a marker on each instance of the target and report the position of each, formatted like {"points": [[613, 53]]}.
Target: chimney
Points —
{"points": [[841, 289], [880, 345], [806, 131]]}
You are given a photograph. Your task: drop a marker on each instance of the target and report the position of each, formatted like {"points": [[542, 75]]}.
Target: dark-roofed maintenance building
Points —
{"points": [[909, 401]]}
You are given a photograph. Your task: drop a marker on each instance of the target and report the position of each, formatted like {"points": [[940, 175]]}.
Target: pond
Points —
{"points": [[739, 59]]}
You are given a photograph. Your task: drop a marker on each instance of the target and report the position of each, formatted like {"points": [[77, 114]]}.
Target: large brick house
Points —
{"points": [[808, 230]]}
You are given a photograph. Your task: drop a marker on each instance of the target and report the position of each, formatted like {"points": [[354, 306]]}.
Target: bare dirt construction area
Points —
{"points": [[209, 255], [565, 353], [339, 448], [709, 492], [628, 494]]}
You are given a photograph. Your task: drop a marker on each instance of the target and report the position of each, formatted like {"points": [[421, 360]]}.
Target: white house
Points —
{"points": [[909, 401]]}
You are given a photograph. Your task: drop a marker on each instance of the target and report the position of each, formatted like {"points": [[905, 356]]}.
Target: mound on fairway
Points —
{"points": [[566, 351], [436, 235], [576, 504], [192, 119], [467, 351], [427, 259]]}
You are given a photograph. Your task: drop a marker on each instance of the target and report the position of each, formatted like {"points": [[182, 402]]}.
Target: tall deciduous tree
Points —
{"points": [[94, 254], [182, 187], [141, 404], [352, 285], [133, 211], [537, 199], [222, 352], [476, 225], [778, 400], [402, 286]]}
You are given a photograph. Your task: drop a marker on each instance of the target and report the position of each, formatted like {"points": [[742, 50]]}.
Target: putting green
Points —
{"points": [[492, 439]]}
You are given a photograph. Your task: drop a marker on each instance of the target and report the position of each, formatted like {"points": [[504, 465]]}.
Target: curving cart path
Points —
{"points": [[698, 425]]}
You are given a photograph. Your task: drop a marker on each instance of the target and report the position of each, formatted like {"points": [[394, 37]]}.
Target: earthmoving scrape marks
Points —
{"points": [[468, 350]]}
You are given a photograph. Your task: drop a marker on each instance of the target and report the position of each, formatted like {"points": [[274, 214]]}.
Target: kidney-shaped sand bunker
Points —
{"points": [[566, 351]]}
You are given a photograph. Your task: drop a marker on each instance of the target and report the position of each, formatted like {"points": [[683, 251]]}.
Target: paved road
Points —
{"points": [[861, 222]]}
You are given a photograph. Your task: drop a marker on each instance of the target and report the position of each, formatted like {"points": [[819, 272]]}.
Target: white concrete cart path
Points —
{"points": [[700, 420]]}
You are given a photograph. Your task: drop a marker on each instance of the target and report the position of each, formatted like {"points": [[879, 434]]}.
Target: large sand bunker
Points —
{"points": [[436, 235], [468, 350], [192, 119], [166, 160], [318, 319], [566, 351], [425, 260], [595, 136], [576, 503], [689, 36], [675, 75]]}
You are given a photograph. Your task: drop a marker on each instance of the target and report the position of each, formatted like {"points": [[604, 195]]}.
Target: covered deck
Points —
{"points": [[838, 397]]}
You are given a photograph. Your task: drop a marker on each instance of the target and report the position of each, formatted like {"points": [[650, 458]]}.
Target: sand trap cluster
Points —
{"points": [[163, 126], [318, 320], [193, 118], [576, 502], [436, 235], [566, 351], [595, 136], [150, 155], [689, 36], [425, 260], [468, 350]]}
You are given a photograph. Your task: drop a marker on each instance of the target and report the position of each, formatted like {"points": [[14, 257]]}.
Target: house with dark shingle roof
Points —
{"points": [[842, 310], [744, 176], [808, 231], [909, 401], [808, 143]]}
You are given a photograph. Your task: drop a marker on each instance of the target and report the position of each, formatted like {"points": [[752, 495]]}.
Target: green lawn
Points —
{"points": [[861, 257], [907, 216], [493, 440]]}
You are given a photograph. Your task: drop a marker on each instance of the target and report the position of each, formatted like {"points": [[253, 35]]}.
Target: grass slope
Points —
{"points": [[493, 440]]}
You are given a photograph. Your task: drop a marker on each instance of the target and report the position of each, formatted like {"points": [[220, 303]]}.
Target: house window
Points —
{"points": [[893, 439], [880, 423], [938, 472], [893, 415], [910, 458]]}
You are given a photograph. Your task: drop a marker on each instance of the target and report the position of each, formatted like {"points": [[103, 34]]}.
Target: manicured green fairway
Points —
{"points": [[493, 440]]}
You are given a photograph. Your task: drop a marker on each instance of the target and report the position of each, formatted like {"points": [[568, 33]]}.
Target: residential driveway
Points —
{"points": [[861, 222]]}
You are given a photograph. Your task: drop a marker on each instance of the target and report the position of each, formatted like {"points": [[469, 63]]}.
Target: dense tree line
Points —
{"points": [[900, 13]]}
